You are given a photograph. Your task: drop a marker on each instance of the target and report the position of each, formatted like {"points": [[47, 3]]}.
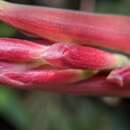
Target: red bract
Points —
{"points": [[76, 56], [94, 86], [59, 55], [108, 31], [26, 75], [40, 77], [120, 76], [19, 50]]}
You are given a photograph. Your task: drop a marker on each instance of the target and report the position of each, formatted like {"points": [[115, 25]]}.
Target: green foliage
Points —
{"points": [[113, 6], [12, 108], [6, 30], [56, 112]]}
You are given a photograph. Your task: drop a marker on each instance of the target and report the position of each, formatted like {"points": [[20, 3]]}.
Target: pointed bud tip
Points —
{"points": [[121, 60], [117, 79]]}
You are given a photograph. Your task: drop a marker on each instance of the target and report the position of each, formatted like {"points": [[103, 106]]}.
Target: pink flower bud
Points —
{"points": [[59, 55], [67, 55], [109, 31], [23, 75]]}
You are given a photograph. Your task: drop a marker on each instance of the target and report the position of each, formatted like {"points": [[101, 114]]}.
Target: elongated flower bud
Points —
{"points": [[120, 76], [59, 55], [77, 56], [94, 86], [43, 77], [108, 31], [23, 75]]}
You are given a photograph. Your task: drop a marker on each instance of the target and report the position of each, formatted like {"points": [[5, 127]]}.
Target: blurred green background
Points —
{"points": [[26, 110]]}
